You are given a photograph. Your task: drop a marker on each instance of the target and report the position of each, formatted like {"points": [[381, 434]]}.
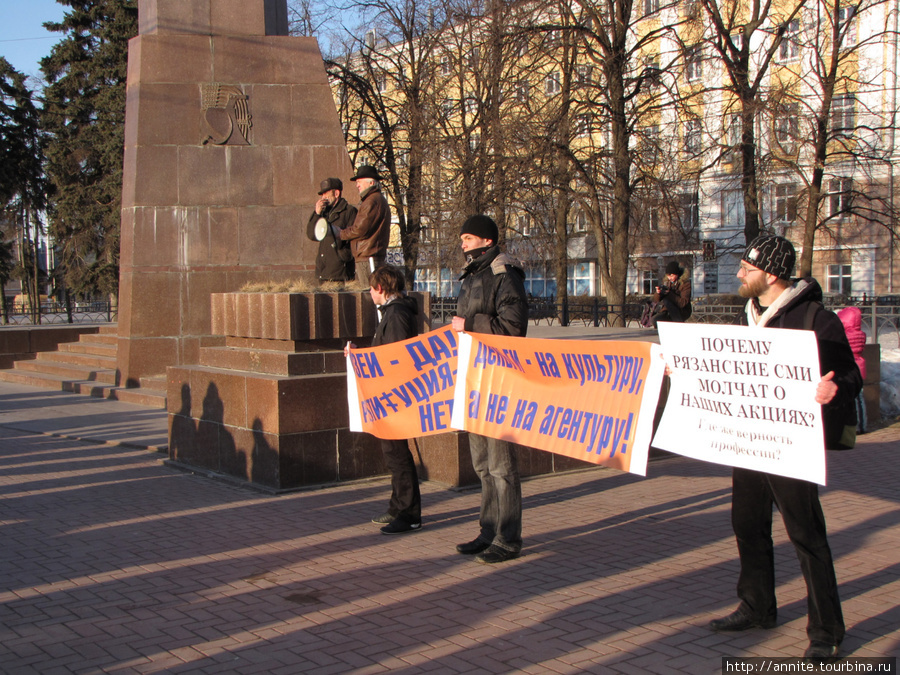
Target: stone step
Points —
{"points": [[72, 358], [149, 398], [154, 383], [272, 362], [68, 370], [90, 346]]}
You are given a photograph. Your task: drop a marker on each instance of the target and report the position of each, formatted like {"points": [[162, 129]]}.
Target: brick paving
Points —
{"points": [[112, 562]]}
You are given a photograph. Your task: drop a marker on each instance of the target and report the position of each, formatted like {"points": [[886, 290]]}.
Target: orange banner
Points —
{"points": [[591, 400], [403, 389]]}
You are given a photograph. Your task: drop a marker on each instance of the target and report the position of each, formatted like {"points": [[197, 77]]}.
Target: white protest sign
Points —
{"points": [[744, 396]]}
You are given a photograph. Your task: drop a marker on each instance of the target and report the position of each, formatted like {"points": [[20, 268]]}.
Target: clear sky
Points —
{"points": [[23, 39]]}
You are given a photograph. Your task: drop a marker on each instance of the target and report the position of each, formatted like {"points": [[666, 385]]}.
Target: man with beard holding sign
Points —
{"points": [[492, 300], [775, 302]]}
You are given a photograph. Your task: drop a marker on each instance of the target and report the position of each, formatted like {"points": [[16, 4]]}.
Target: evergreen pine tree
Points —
{"points": [[84, 115], [22, 185]]}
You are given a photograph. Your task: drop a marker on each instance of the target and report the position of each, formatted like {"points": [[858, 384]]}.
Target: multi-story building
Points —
{"points": [[516, 123]]}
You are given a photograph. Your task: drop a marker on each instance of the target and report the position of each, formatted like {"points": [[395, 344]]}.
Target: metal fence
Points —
{"points": [[880, 316], [56, 313], [578, 311]]}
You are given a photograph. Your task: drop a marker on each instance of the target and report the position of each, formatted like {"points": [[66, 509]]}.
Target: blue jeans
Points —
{"points": [[501, 492]]}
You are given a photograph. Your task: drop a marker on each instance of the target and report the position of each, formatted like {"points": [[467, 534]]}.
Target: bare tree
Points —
{"points": [[828, 127], [609, 77], [746, 38], [384, 80]]}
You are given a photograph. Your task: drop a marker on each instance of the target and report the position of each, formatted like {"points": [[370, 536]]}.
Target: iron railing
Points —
{"points": [[880, 316], [57, 313]]}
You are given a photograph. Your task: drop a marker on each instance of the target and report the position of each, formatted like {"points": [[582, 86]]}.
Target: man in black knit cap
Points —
{"points": [[492, 300], [775, 302]]}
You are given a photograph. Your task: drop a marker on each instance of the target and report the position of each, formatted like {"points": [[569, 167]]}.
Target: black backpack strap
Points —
{"points": [[809, 318]]}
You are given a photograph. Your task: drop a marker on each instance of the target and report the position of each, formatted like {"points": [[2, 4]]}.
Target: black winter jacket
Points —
{"points": [[334, 259], [492, 298], [834, 351], [398, 321]]}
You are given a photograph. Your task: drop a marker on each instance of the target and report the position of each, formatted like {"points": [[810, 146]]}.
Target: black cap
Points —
{"points": [[772, 254], [674, 268], [366, 171], [330, 184], [481, 226]]}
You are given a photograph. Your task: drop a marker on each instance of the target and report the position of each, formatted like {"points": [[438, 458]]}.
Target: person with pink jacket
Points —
{"points": [[851, 317]]}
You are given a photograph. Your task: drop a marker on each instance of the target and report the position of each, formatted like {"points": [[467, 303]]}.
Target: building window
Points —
{"points": [[363, 127], [737, 39], [581, 220], [474, 57], [522, 91], [474, 141], [648, 282], [692, 137], [583, 76], [838, 279], [789, 49], [652, 217], [847, 25], [471, 105], [652, 76], [381, 83], [651, 7], [787, 125], [445, 65], [843, 112], [733, 134], [426, 280], [693, 63], [426, 234], [583, 124], [580, 278], [786, 203], [538, 283], [447, 107], [839, 190], [690, 210], [523, 224], [552, 84], [732, 209]]}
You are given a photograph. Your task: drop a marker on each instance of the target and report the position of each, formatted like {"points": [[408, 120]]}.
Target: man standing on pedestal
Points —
{"points": [[334, 261], [371, 229], [492, 300]]}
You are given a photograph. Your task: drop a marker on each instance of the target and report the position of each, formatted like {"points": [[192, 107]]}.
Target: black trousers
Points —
{"points": [[667, 311], [406, 502], [754, 494]]}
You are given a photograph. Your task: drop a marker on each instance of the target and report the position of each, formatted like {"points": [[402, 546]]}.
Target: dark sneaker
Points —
{"points": [[822, 651], [383, 519], [496, 554], [472, 547], [398, 526], [740, 619]]}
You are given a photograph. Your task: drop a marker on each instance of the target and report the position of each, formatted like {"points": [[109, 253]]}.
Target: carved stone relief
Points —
{"points": [[226, 115]]}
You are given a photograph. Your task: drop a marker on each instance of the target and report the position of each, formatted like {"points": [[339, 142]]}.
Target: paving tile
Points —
{"points": [[115, 563]]}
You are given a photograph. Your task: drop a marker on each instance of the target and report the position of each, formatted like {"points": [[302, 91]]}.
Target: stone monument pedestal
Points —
{"points": [[267, 402]]}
